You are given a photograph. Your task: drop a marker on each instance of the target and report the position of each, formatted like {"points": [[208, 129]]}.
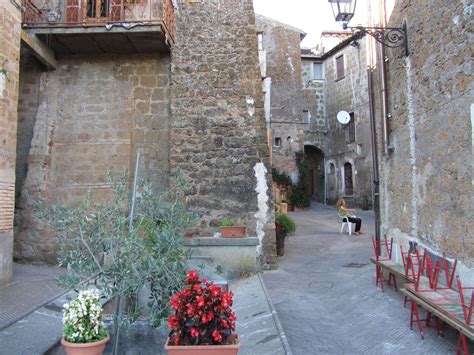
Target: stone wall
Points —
{"points": [[427, 182], [10, 27], [218, 130], [281, 43], [350, 94], [88, 116]]}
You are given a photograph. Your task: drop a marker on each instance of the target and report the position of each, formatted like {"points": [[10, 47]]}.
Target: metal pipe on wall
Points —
{"points": [[375, 163]]}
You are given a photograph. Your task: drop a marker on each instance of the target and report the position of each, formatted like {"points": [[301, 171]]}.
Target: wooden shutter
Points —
{"points": [[73, 11]]}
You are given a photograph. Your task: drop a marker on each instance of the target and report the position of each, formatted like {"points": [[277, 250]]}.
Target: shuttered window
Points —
{"points": [[340, 67]]}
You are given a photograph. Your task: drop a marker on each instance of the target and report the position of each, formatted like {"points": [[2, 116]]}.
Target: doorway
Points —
{"points": [[315, 186]]}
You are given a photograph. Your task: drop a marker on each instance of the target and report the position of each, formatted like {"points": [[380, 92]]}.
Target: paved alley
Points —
{"points": [[326, 299]]}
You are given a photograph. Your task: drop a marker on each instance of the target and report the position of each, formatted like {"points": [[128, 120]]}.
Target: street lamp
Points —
{"points": [[391, 37]]}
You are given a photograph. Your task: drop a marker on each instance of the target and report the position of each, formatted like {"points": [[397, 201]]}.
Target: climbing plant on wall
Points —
{"points": [[298, 194]]}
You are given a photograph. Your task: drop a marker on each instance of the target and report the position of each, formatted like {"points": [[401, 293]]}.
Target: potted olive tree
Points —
{"points": [[284, 227], [122, 253]]}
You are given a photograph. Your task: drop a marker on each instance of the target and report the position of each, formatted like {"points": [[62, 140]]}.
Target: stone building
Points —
{"points": [[280, 56], [10, 27], [425, 134], [177, 82], [340, 154]]}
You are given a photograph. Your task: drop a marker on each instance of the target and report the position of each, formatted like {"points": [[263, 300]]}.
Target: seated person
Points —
{"points": [[346, 214]]}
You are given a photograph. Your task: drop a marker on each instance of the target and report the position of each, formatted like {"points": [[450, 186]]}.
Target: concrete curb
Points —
{"points": [[281, 332]]}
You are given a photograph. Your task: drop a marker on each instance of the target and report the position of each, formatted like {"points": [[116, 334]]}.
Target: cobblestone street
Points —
{"points": [[326, 299]]}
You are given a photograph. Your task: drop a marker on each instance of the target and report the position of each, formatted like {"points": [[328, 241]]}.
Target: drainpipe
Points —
{"points": [[325, 184], [384, 89], [375, 162]]}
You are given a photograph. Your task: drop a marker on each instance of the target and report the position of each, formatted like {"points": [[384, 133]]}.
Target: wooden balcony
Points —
{"points": [[101, 26]]}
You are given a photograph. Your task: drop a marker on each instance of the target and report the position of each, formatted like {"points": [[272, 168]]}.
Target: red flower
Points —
{"points": [[207, 308], [193, 276], [194, 332], [216, 291], [172, 321], [217, 336]]}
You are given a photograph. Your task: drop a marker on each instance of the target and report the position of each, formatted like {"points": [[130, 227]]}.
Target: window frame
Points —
{"points": [[339, 59], [313, 71], [260, 41]]}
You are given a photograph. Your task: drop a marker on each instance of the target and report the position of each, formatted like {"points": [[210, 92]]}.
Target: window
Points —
{"points": [[306, 120], [340, 67], [318, 71], [331, 168], [350, 129], [348, 184], [260, 40], [277, 142]]}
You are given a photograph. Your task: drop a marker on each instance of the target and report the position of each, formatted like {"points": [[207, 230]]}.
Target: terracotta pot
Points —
{"points": [[280, 239], [291, 208], [233, 232], [96, 348], [231, 349]]}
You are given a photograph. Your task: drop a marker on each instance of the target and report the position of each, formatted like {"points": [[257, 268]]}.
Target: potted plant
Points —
{"points": [[284, 227], [84, 332], [203, 321], [229, 228]]}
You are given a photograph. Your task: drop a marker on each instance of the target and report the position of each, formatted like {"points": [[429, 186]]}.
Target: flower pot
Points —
{"points": [[96, 348], [280, 239], [291, 208], [233, 232], [231, 349]]}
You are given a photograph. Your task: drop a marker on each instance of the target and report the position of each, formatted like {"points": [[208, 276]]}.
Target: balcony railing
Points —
{"points": [[74, 13]]}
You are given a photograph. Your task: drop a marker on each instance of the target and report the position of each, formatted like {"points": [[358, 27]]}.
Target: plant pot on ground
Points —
{"points": [[84, 332], [284, 226], [229, 228], [203, 321]]}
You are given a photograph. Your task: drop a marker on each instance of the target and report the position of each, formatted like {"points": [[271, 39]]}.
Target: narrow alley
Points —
{"points": [[326, 299]]}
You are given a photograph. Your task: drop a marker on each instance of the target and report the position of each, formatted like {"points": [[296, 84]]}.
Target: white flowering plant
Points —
{"points": [[82, 318]]}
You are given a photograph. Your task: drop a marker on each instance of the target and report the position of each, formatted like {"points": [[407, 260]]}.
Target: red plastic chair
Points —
{"points": [[386, 247], [467, 306]]}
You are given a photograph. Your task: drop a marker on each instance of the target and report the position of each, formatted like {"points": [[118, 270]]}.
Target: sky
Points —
{"points": [[311, 16]]}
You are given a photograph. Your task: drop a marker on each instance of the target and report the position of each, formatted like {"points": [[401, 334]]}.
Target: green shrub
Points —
{"points": [[227, 222], [298, 195], [287, 223], [281, 178]]}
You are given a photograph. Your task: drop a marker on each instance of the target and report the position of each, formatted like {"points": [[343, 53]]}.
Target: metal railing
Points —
{"points": [[73, 13]]}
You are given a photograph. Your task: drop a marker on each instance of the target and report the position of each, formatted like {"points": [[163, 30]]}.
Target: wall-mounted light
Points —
{"points": [[392, 37]]}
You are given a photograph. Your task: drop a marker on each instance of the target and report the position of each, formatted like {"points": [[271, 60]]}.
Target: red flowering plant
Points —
{"points": [[202, 314]]}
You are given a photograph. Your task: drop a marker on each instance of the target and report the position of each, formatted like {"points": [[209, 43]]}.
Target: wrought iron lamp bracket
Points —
{"points": [[392, 37]]}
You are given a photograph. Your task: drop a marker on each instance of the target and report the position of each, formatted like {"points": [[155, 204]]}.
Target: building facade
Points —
{"points": [[98, 85], [425, 135], [10, 27]]}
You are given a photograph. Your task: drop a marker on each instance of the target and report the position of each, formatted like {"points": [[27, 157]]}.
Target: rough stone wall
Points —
{"points": [[283, 65], [349, 94], [218, 127], [427, 182], [10, 27], [92, 114]]}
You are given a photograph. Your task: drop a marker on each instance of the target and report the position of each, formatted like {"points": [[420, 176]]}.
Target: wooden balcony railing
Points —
{"points": [[73, 13]]}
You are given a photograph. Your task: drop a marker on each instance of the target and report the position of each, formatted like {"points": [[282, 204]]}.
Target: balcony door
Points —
{"points": [[78, 11]]}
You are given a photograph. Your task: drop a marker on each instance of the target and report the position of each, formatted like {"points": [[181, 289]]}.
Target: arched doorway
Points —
{"points": [[315, 157]]}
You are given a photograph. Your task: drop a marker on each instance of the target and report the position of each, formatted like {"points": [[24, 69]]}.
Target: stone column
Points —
{"points": [[10, 27]]}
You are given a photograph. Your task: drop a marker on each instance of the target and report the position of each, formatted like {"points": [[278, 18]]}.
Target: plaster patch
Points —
{"points": [[262, 202], [2, 84], [290, 63], [250, 105]]}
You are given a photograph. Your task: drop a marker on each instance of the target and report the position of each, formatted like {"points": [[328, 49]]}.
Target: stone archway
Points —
{"points": [[315, 158]]}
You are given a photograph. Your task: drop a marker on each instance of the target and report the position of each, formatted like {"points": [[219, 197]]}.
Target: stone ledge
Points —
{"points": [[221, 242]]}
